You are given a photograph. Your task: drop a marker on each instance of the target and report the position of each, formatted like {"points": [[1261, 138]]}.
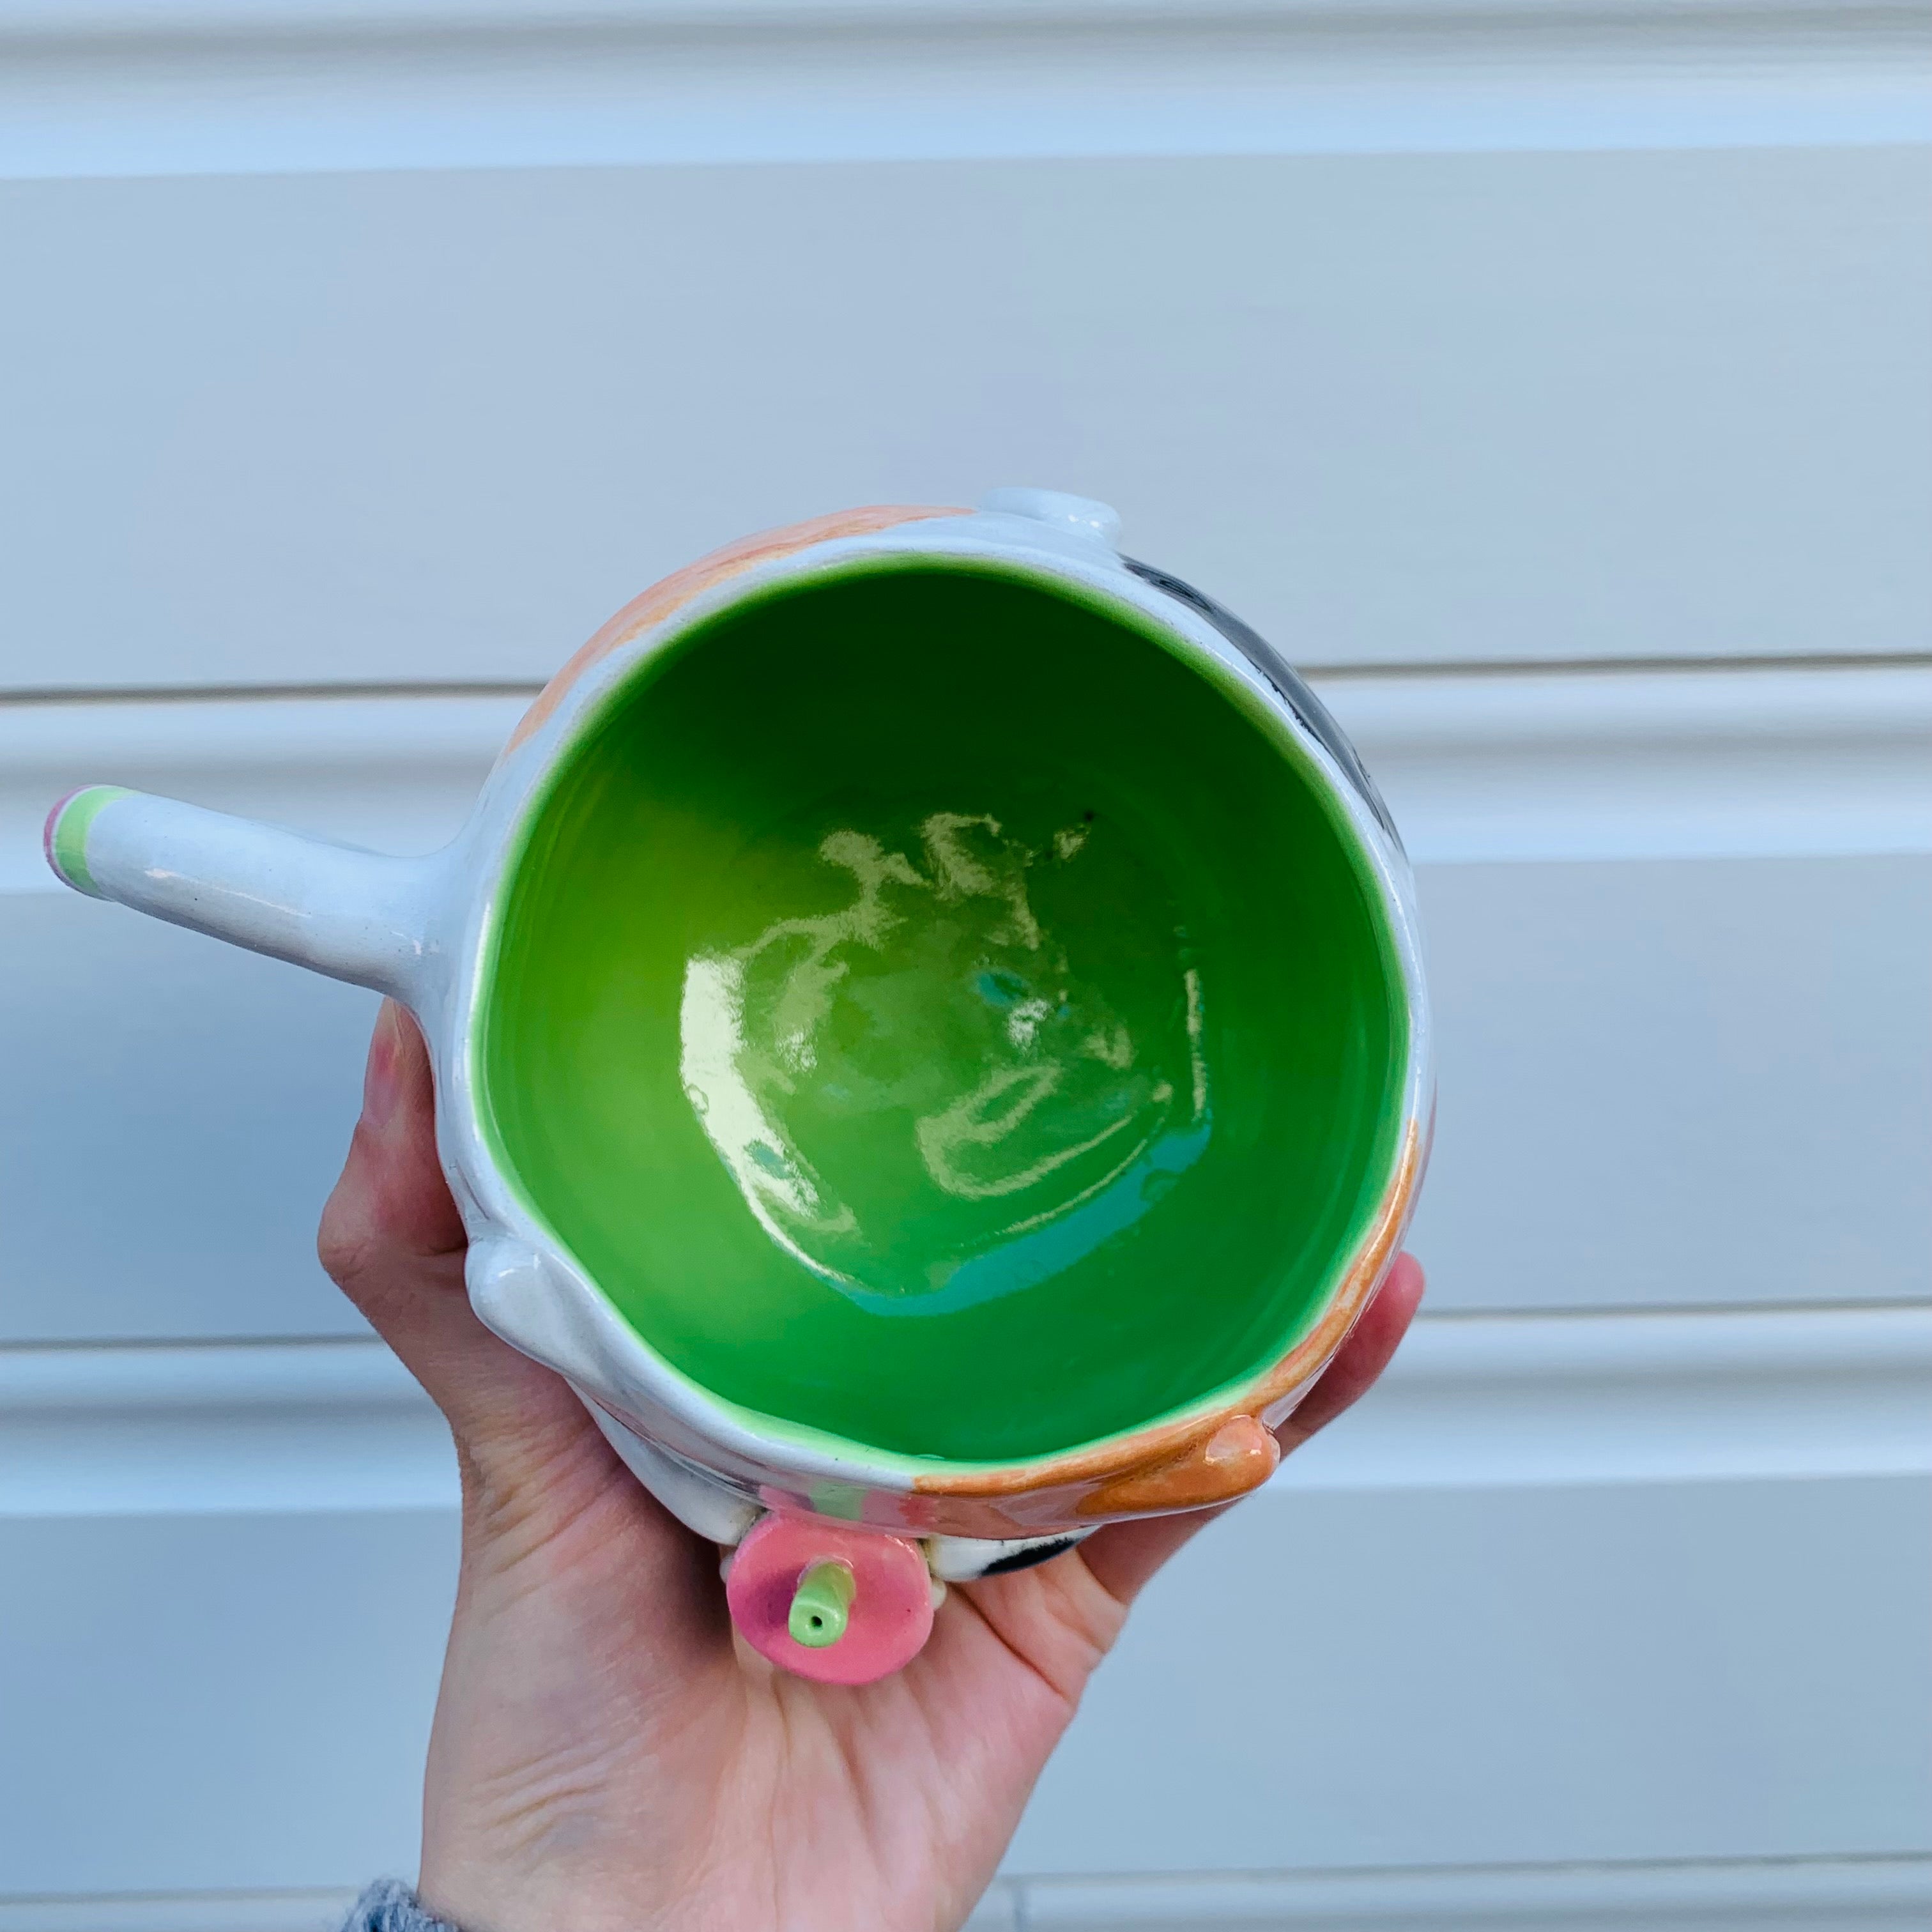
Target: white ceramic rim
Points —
{"points": [[525, 1281]]}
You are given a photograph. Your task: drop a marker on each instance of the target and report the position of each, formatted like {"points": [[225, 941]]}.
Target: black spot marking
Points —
{"points": [[1025, 1559], [1290, 686]]}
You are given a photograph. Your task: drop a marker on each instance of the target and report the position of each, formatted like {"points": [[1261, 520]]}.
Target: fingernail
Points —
{"points": [[382, 1079]]}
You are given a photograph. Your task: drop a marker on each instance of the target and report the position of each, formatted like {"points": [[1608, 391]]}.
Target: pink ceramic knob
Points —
{"points": [[861, 1601]]}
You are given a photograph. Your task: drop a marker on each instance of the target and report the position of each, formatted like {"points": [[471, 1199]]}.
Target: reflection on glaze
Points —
{"points": [[928, 1043]]}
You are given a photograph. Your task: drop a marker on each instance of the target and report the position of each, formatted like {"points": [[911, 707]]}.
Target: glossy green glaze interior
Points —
{"points": [[937, 1014]]}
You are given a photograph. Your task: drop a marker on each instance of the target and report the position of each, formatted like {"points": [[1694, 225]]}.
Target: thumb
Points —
{"points": [[392, 1239]]}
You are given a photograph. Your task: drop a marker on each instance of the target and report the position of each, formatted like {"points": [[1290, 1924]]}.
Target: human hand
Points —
{"points": [[603, 1754]]}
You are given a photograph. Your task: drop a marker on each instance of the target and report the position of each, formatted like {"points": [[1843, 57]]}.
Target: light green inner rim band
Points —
{"points": [[71, 830]]}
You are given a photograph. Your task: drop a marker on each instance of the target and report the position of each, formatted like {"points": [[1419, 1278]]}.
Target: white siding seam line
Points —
{"points": [[1848, 1894], [208, 88], [146, 20], [1842, 1894], [314, 1909]]}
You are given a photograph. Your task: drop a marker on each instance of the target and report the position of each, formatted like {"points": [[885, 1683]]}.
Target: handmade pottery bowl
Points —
{"points": [[929, 1040]]}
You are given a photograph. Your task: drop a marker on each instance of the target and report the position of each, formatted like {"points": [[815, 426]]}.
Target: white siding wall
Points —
{"points": [[1559, 384]]}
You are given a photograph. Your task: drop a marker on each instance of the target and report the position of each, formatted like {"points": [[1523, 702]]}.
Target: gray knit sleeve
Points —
{"points": [[389, 1906]]}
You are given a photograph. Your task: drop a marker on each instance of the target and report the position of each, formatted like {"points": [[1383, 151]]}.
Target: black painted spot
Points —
{"points": [[1025, 1559], [1289, 684]]}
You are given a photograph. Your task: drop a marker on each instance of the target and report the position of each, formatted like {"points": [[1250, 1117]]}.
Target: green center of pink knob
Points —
{"points": [[818, 1611]]}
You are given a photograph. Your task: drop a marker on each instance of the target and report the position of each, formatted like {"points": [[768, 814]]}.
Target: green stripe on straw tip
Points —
{"points": [[66, 836]]}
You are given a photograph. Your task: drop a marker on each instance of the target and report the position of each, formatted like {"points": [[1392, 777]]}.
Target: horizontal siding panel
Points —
{"points": [[1704, 1081], [1681, 1671], [176, 1112], [218, 1702], [1632, 763], [234, 1701], [253, 86], [1470, 1403], [382, 426]]}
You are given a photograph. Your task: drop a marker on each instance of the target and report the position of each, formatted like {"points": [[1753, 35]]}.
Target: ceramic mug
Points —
{"points": [[929, 1040]]}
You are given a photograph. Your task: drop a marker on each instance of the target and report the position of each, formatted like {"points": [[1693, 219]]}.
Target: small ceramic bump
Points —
{"points": [[1081, 514], [1236, 1457], [505, 1281]]}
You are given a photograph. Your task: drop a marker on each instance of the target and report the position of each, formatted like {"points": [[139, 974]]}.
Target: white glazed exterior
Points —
{"points": [[415, 929]]}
